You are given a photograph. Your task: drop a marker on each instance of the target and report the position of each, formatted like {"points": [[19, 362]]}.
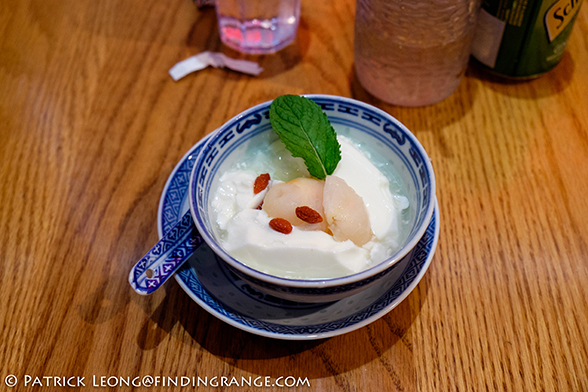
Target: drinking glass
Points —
{"points": [[413, 52], [257, 26]]}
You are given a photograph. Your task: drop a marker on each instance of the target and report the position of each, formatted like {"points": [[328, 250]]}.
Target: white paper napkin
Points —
{"points": [[217, 60]]}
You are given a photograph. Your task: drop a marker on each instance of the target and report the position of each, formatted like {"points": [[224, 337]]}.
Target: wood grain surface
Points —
{"points": [[91, 126]]}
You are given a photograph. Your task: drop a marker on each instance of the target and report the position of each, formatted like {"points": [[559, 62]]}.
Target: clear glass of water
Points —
{"points": [[413, 52], [258, 26]]}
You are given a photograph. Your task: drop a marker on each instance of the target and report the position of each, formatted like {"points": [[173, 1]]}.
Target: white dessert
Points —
{"points": [[245, 233]]}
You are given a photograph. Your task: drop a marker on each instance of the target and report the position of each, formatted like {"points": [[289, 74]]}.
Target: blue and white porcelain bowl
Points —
{"points": [[371, 127]]}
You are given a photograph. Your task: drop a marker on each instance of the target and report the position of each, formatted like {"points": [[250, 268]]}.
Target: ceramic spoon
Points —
{"points": [[166, 257]]}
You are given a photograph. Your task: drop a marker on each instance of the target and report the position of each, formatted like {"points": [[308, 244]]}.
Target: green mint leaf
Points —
{"points": [[307, 133]]}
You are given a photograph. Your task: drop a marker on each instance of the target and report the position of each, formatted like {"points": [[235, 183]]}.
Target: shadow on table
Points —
{"points": [[548, 84], [204, 36], [260, 355], [427, 119], [460, 102]]}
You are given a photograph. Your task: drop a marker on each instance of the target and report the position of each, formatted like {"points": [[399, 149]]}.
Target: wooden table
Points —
{"points": [[92, 125]]}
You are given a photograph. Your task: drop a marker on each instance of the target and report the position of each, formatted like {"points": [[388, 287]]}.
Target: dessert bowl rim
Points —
{"points": [[376, 269]]}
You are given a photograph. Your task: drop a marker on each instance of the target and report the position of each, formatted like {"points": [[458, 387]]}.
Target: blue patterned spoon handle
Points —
{"points": [[172, 250]]}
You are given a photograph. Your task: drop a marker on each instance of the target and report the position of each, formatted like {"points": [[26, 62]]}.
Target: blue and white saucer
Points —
{"points": [[208, 282]]}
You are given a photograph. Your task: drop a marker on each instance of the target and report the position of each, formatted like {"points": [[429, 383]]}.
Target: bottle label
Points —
{"points": [[559, 15], [523, 38], [488, 38]]}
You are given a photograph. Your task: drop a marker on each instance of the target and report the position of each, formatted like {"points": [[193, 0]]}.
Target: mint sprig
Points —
{"points": [[307, 133]]}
